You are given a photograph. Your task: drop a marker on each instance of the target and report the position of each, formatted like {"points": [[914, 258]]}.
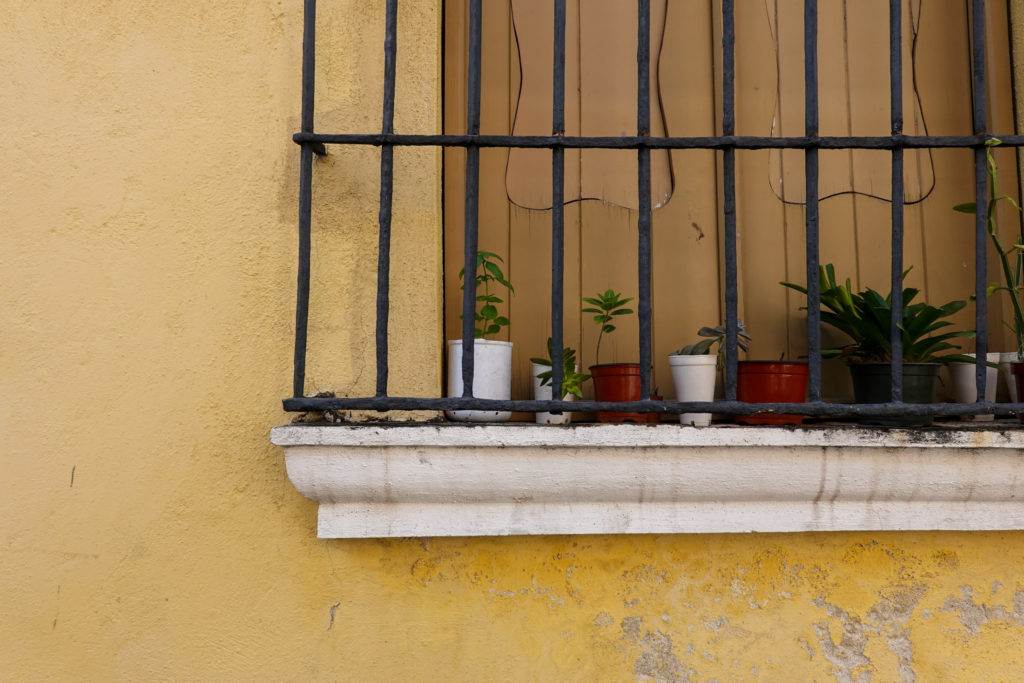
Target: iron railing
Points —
{"points": [[313, 143]]}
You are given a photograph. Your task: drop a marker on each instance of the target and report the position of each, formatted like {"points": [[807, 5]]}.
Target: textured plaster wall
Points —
{"points": [[148, 530]]}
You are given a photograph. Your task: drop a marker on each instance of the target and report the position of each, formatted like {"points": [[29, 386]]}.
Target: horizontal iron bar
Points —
{"points": [[637, 142], [820, 408]]}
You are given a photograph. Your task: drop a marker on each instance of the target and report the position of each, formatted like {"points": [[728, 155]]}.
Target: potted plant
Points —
{"points": [[1013, 275], [492, 359], [572, 383], [613, 381], [694, 369], [771, 381], [866, 318]]}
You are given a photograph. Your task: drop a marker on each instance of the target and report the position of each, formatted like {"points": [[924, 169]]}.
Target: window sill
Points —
{"points": [[400, 480]]}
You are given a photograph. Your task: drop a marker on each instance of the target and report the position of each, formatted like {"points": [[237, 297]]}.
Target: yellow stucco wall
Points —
{"points": [[149, 531]]}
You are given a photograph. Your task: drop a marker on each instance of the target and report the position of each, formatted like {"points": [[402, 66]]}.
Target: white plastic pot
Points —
{"points": [[543, 393], [965, 386], [694, 377], [1004, 369], [492, 378]]}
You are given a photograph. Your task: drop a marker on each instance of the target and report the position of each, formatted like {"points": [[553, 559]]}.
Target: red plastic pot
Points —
{"points": [[618, 382], [1018, 376], [767, 381]]}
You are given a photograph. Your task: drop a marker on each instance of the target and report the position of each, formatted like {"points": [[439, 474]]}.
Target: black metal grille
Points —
{"points": [[314, 143]]}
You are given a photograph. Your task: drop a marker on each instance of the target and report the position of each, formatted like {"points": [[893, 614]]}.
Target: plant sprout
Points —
{"points": [[606, 307], [1013, 275], [487, 271], [572, 381], [715, 335]]}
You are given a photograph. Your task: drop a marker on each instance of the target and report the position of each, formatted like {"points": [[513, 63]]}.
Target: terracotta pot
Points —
{"points": [[617, 382], [767, 381], [1018, 375]]}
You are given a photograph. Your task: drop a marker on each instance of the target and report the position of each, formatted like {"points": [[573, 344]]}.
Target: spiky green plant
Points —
{"points": [[572, 381], [866, 318]]}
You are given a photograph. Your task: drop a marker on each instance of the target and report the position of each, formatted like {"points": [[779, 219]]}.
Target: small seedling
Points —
{"points": [[1013, 275], [712, 336], [572, 381], [606, 307], [487, 271]]}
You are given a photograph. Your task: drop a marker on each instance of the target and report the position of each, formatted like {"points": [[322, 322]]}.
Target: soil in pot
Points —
{"points": [[872, 383], [765, 381], [617, 382]]}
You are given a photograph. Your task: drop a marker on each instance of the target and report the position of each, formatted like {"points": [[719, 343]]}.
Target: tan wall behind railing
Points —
{"points": [[688, 266]]}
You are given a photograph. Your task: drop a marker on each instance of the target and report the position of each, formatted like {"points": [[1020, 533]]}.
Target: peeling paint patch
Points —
{"points": [[973, 615], [604, 620], [657, 661], [888, 619]]}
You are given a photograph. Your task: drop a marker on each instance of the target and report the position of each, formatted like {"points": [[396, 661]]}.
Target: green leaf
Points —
{"points": [[489, 312], [501, 320], [968, 207]]}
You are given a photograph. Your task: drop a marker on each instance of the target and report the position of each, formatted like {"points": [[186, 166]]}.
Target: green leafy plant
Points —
{"points": [[1013, 275], [867, 316], [572, 381], [488, 271], [606, 306], [712, 336]]}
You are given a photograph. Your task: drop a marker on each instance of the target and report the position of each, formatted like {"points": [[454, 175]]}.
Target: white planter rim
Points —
{"points": [[675, 359], [477, 342]]}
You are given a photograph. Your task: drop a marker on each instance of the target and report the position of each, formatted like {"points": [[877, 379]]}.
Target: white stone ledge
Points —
{"points": [[468, 480]]}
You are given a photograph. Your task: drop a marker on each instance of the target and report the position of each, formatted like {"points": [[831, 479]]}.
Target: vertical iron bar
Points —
{"points": [[557, 202], [472, 201], [387, 157], [643, 124], [896, 267], [981, 197], [811, 177], [305, 198], [729, 176]]}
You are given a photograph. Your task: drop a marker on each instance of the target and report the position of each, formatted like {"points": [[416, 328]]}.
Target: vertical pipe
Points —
{"points": [[472, 200], [811, 177], [557, 202], [305, 198], [643, 57], [387, 156], [729, 177], [896, 266], [981, 194]]}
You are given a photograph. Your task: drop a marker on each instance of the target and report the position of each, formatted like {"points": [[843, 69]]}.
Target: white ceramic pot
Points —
{"points": [[543, 393], [1004, 369], [965, 386], [492, 378], [694, 377]]}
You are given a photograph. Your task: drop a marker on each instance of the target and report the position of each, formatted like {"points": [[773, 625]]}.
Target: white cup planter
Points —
{"points": [[694, 377], [543, 393], [492, 378], [965, 386]]}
